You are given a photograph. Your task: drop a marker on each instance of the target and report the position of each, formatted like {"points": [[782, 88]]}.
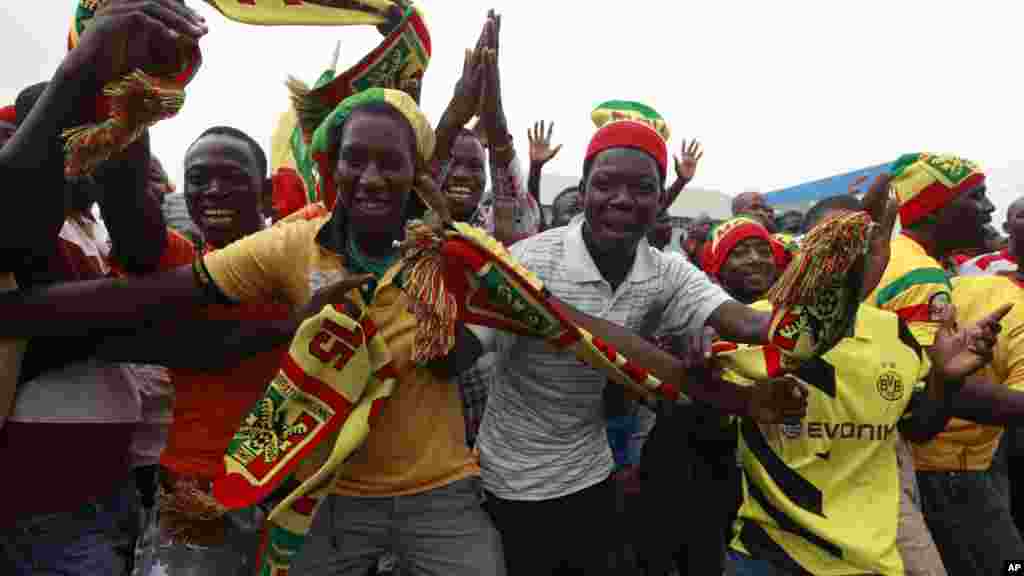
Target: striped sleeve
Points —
{"points": [[916, 297]]}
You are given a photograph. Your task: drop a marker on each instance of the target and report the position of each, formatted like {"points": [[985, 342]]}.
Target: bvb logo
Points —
{"points": [[890, 386]]}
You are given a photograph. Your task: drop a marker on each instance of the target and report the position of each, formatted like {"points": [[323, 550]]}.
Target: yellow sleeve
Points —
{"points": [[1008, 360], [269, 266], [917, 297]]}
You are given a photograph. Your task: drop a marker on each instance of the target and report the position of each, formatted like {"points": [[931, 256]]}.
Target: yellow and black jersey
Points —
{"points": [[822, 496]]}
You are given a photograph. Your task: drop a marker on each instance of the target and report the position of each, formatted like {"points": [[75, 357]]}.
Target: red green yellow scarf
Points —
{"points": [[126, 108]]}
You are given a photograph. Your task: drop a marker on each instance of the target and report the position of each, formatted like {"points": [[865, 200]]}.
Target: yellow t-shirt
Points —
{"points": [[822, 496], [419, 439], [965, 445], [915, 287]]}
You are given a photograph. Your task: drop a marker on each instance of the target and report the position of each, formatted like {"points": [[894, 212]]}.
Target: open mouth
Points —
{"points": [[219, 216], [462, 193], [374, 207]]}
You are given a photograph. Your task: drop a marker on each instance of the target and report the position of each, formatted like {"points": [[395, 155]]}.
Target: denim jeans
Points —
{"points": [[970, 521], [77, 543], [440, 531], [743, 565]]}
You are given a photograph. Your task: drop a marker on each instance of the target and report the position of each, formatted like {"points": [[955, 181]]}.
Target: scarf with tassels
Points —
{"points": [[305, 13], [814, 303], [312, 417], [127, 107], [399, 62], [459, 273]]}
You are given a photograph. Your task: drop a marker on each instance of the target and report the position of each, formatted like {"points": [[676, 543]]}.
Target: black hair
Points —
{"points": [[823, 207], [257, 150], [554, 202], [27, 99], [415, 208]]}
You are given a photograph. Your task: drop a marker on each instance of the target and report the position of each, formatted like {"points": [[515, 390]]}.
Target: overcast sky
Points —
{"points": [[778, 92]]}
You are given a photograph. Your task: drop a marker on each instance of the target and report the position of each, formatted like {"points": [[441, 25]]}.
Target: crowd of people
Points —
{"points": [[149, 332]]}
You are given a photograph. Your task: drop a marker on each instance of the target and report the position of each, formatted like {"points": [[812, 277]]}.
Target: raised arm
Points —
{"points": [[131, 209], [541, 152], [956, 355], [686, 169], [123, 36], [516, 213]]}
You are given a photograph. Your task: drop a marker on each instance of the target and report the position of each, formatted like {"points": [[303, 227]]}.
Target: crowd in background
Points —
{"points": [[143, 323]]}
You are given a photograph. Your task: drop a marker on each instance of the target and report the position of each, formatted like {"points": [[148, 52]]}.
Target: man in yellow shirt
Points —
{"points": [[943, 208], [969, 518], [807, 508]]}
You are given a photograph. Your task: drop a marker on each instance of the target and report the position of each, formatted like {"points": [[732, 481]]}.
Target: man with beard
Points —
{"points": [[943, 208]]}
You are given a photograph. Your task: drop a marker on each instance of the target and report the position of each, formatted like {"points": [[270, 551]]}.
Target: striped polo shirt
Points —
{"points": [[543, 434]]}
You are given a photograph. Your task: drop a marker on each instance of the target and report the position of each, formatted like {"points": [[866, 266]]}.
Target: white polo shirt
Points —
{"points": [[543, 434]]}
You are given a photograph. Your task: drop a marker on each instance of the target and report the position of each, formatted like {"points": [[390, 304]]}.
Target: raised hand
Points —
{"points": [[540, 143], [492, 113], [686, 165], [883, 207], [960, 352], [126, 35]]}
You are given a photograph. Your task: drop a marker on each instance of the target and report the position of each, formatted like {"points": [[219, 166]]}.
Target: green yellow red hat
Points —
{"points": [[926, 182], [625, 124]]}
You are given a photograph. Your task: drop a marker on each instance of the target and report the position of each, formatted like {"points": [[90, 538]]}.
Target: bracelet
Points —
{"points": [[205, 283]]}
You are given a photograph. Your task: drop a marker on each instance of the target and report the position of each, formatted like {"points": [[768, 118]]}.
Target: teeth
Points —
{"points": [[218, 220], [219, 212], [458, 191]]}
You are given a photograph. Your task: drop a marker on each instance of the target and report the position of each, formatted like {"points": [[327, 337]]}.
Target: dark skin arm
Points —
{"points": [[931, 412], [34, 154], [131, 211], [173, 333], [736, 322], [123, 36], [983, 401], [197, 343], [956, 357], [691, 375], [533, 187], [80, 308]]}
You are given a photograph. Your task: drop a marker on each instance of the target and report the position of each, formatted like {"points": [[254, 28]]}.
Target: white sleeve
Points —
{"points": [[693, 297]]}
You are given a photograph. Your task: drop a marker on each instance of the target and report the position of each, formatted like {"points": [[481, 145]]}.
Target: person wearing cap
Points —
{"points": [[544, 452], [943, 207], [697, 444], [822, 496]]}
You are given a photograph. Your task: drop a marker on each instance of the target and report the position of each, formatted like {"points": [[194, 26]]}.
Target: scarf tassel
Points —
{"points": [[828, 251], [435, 308], [136, 102]]}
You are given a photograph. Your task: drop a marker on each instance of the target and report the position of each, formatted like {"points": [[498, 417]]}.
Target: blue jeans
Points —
{"points": [[743, 565], [77, 543]]}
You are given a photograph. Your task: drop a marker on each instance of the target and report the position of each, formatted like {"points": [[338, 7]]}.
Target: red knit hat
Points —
{"points": [[8, 114], [726, 236], [629, 134]]}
